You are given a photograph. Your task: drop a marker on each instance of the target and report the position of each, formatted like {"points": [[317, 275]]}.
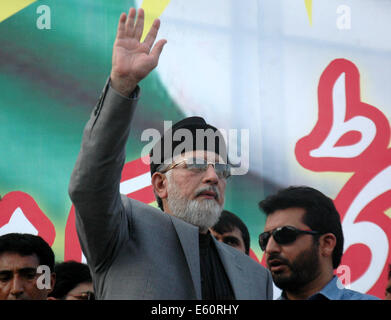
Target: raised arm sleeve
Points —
{"points": [[94, 186]]}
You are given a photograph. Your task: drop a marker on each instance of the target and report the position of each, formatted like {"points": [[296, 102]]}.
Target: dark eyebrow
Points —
{"points": [[27, 270], [6, 275], [21, 271]]}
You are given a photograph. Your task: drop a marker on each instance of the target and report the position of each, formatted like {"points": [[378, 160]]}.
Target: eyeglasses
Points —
{"points": [[282, 235], [197, 165]]}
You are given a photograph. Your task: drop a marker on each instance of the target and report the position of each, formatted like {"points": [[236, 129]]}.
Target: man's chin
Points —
{"points": [[281, 282], [202, 211], [210, 218], [286, 282]]}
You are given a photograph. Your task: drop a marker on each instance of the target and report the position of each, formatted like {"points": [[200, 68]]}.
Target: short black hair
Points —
{"points": [[227, 222], [320, 212], [68, 275], [26, 244]]}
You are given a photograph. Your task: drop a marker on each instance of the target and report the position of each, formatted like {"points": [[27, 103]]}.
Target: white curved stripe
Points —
{"points": [[368, 233], [135, 183]]}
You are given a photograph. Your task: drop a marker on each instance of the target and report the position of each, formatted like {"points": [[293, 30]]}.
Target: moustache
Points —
{"points": [[212, 190], [275, 259]]}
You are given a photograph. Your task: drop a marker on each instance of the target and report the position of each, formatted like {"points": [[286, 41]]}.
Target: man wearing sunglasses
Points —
{"points": [[303, 244], [136, 251]]}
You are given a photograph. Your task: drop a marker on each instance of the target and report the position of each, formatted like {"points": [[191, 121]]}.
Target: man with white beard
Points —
{"points": [[134, 250]]}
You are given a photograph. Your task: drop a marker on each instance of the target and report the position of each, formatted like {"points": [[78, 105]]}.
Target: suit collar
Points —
{"points": [[233, 269], [188, 236]]}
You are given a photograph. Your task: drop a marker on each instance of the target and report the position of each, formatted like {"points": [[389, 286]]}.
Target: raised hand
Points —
{"points": [[134, 60]]}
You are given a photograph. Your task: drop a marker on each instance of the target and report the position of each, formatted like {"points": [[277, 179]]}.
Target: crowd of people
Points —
{"points": [[309, 263], [189, 248]]}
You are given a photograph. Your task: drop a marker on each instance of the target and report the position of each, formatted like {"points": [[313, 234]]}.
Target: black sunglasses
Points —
{"points": [[282, 235]]}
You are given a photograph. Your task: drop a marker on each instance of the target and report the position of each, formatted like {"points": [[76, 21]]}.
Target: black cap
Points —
{"points": [[196, 135]]}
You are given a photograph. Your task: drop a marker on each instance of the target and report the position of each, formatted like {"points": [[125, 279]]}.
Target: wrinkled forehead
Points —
{"points": [[209, 156], [14, 261]]}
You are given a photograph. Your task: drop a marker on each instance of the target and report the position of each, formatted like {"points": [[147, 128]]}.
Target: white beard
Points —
{"points": [[201, 213]]}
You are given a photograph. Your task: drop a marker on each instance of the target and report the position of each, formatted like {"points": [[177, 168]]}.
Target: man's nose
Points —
{"points": [[210, 175], [272, 246], [17, 286]]}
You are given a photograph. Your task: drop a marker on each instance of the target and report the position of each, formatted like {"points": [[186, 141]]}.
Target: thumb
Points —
{"points": [[157, 49]]}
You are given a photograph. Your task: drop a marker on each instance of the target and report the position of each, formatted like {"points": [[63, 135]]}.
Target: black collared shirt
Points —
{"points": [[215, 284]]}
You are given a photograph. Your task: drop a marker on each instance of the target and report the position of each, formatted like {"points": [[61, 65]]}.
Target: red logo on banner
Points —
{"points": [[20, 213], [135, 183], [353, 136]]}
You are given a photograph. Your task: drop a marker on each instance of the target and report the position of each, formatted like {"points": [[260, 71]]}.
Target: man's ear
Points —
{"points": [[159, 183], [327, 244]]}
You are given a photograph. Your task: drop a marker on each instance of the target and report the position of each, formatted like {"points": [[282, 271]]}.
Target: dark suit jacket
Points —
{"points": [[134, 250]]}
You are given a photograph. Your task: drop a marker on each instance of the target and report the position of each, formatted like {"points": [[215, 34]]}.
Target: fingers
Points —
{"points": [[151, 36], [121, 26], [128, 28], [139, 27], [157, 49], [129, 25], [132, 29]]}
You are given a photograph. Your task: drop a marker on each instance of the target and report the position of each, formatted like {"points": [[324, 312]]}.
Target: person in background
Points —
{"points": [[231, 230], [73, 282], [303, 244], [20, 256]]}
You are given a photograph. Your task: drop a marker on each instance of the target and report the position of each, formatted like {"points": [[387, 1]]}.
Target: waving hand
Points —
{"points": [[134, 60]]}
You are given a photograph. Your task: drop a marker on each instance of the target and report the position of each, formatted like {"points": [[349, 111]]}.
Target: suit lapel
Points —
{"points": [[234, 271], [188, 236]]}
